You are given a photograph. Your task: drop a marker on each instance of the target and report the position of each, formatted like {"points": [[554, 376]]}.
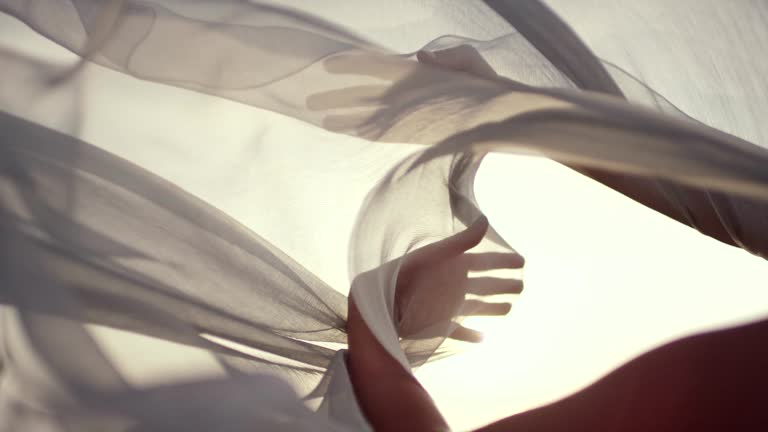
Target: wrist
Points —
{"points": [[355, 321]]}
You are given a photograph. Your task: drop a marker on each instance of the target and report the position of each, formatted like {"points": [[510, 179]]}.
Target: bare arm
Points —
{"points": [[710, 213], [715, 381], [390, 397], [733, 220], [699, 374]]}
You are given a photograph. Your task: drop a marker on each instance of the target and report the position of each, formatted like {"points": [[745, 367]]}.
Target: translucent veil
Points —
{"points": [[145, 187]]}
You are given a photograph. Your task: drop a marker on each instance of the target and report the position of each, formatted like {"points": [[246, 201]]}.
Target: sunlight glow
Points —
{"points": [[606, 279]]}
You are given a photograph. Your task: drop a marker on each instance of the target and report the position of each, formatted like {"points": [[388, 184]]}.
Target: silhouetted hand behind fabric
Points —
{"points": [[393, 88], [433, 282]]}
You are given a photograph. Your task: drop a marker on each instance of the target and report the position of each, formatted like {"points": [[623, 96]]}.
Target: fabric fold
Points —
{"points": [[129, 249]]}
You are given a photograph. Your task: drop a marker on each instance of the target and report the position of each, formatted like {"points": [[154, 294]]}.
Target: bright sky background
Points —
{"points": [[606, 278]]}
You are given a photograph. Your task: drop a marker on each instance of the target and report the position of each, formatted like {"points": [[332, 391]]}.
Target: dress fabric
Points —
{"points": [[140, 188]]}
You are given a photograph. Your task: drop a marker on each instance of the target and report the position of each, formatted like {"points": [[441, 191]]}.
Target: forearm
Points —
{"points": [[390, 397], [710, 213], [713, 381]]}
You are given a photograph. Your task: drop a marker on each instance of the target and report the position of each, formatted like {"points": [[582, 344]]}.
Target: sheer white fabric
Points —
{"points": [[110, 217]]}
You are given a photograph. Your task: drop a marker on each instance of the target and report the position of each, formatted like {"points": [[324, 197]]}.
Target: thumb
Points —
{"points": [[452, 246], [468, 238], [464, 58]]}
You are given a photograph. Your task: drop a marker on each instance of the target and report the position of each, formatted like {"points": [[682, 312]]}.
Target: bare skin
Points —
{"points": [[706, 382], [646, 191], [390, 397]]}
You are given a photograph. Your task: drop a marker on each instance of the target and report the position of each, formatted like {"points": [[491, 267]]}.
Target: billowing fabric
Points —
{"points": [[110, 219]]}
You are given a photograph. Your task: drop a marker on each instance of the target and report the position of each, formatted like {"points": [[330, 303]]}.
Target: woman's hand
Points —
{"points": [[433, 282], [430, 291]]}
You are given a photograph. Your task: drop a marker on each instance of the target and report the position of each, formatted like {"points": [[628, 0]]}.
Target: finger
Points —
{"points": [[350, 97], [345, 123], [460, 58], [487, 286], [466, 334], [477, 307], [460, 242], [387, 67], [493, 261], [450, 247]]}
